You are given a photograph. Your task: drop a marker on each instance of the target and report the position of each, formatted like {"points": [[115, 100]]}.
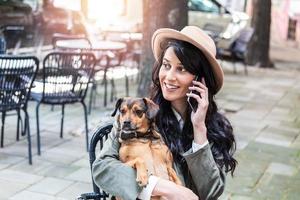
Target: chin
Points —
{"points": [[169, 97]]}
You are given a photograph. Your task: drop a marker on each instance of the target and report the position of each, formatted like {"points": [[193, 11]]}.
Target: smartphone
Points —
{"points": [[192, 101]]}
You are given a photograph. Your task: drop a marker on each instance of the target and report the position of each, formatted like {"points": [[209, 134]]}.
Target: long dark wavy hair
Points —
{"points": [[219, 130]]}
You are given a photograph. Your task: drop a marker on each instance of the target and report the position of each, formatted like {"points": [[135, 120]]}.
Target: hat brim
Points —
{"points": [[164, 34]]}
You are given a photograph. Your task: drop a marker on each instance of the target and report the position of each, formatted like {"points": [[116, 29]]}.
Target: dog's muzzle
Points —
{"points": [[128, 134]]}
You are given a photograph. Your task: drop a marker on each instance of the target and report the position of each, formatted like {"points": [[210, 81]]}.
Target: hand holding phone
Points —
{"points": [[192, 101]]}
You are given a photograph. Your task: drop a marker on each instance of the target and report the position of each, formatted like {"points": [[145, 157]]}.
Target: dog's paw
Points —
{"points": [[142, 180]]}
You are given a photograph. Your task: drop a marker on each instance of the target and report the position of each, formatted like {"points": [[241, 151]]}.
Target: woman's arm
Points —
{"points": [[112, 175], [170, 191], [208, 178]]}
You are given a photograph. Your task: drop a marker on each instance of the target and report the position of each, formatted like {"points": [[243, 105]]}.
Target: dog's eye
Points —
{"points": [[122, 111], [139, 113]]}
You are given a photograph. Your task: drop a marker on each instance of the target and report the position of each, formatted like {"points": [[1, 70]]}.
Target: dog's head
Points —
{"points": [[135, 116]]}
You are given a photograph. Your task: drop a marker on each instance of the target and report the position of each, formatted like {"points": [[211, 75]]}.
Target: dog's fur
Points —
{"points": [[142, 147]]}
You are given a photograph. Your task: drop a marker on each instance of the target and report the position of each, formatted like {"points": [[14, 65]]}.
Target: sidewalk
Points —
{"points": [[264, 108], [265, 111]]}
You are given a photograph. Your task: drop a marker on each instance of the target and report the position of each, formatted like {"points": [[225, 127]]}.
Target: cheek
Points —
{"points": [[142, 123], [160, 75], [186, 82]]}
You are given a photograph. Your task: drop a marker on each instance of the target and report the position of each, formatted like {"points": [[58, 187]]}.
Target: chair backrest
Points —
{"points": [[66, 75], [17, 74], [99, 136], [60, 36], [240, 44], [213, 30]]}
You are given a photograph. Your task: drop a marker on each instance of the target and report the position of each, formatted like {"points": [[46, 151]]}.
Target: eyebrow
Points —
{"points": [[169, 61]]}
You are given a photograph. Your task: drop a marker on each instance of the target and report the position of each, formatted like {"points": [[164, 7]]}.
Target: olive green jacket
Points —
{"points": [[204, 176]]}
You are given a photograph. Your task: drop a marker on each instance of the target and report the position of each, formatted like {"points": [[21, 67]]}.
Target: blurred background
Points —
{"points": [[108, 45]]}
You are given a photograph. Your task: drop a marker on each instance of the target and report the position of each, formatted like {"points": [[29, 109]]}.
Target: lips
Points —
{"points": [[170, 86]]}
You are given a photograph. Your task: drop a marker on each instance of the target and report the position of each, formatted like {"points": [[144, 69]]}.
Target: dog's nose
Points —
{"points": [[126, 123]]}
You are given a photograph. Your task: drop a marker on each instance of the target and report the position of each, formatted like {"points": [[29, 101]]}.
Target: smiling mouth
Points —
{"points": [[170, 86]]}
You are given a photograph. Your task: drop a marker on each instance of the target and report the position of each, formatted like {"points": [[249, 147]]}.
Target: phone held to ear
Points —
{"points": [[192, 101]]}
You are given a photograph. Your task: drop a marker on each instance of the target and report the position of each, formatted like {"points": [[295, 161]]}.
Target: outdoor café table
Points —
{"points": [[132, 39], [101, 46], [132, 36]]}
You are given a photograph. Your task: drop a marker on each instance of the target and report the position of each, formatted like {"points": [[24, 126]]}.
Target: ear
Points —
{"points": [[118, 104], [152, 108]]}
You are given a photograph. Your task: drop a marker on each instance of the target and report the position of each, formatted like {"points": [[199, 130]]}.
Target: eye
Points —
{"points": [[122, 111], [181, 69], [139, 113], [166, 65]]}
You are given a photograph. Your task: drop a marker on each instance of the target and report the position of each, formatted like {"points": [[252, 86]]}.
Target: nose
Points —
{"points": [[126, 123], [170, 75]]}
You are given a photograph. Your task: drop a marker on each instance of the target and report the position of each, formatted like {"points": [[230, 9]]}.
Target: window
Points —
{"points": [[203, 6], [33, 4]]}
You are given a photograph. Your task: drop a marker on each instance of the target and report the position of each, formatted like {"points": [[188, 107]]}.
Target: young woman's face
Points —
{"points": [[173, 78]]}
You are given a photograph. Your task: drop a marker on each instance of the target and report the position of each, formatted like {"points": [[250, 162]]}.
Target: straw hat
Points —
{"points": [[195, 36]]}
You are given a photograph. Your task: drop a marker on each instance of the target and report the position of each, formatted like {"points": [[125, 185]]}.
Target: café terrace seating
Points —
{"points": [[63, 80], [100, 134], [17, 74], [237, 51]]}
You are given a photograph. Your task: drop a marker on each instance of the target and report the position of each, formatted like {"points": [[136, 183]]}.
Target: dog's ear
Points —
{"points": [[152, 108], [118, 104]]}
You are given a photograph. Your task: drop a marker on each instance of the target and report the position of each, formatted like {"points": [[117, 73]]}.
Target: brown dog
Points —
{"points": [[142, 147]]}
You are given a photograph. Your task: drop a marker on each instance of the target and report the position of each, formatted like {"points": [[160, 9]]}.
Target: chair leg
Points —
{"points": [[18, 125], [137, 61], [27, 130], [245, 68], [86, 125], [38, 128], [105, 86], [2, 128], [62, 120], [234, 67], [126, 82], [23, 131], [113, 92], [94, 86]]}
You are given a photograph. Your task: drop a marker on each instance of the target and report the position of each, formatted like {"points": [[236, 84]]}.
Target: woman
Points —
{"points": [[199, 137]]}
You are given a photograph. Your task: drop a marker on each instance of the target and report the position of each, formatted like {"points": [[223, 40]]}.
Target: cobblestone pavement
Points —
{"points": [[264, 108]]}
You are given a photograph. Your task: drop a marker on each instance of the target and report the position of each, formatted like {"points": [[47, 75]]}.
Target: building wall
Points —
{"points": [[282, 13], [237, 5]]}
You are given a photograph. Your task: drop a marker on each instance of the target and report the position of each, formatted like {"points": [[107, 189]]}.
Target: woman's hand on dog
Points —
{"points": [[169, 190], [198, 117]]}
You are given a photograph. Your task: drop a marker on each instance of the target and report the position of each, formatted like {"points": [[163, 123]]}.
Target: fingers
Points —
{"points": [[203, 81], [202, 90], [203, 102], [201, 84], [202, 93]]}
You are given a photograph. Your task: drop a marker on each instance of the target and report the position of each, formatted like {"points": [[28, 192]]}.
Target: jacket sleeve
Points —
{"points": [[112, 175], [208, 178]]}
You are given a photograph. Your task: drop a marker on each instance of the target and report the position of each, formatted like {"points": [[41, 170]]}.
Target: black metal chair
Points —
{"points": [[100, 134], [64, 78], [61, 36], [213, 30], [17, 74], [238, 50]]}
